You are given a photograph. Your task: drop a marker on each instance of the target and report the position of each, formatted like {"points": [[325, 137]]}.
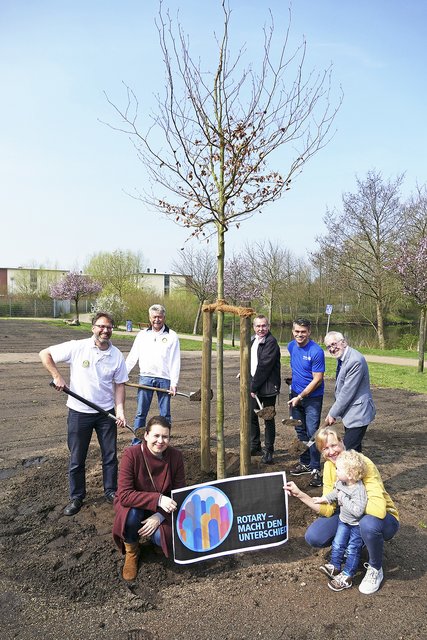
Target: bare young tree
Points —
{"points": [[200, 267], [215, 134], [270, 269], [363, 237], [415, 215]]}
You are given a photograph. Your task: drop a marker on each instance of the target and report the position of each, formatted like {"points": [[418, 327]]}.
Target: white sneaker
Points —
{"points": [[372, 580]]}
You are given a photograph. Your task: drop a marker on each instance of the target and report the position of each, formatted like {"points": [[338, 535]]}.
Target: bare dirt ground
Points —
{"points": [[60, 576]]}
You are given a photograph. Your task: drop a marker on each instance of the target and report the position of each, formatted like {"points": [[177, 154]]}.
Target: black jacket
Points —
{"points": [[266, 381]]}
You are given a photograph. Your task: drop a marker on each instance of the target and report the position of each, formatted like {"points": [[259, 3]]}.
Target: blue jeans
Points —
{"points": [[133, 523], [308, 410], [144, 398], [80, 429], [374, 532], [347, 538]]}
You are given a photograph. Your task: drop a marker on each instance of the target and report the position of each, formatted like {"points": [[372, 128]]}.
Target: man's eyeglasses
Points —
{"points": [[333, 345], [104, 327]]}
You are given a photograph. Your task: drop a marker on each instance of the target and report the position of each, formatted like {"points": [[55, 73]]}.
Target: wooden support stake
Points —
{"points": [[245, 404], [205, 411]]}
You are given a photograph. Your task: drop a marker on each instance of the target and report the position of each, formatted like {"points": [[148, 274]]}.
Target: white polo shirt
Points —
{"points": [[158, 354], [93, 373]]}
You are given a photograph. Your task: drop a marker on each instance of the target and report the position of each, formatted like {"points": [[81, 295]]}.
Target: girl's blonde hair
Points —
{"points": [[353, 464]]}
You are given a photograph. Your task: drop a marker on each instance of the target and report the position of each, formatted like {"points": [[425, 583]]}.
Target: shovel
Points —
{"points": [[266, 413], [138, 432], [194, 396], [290, 422]]}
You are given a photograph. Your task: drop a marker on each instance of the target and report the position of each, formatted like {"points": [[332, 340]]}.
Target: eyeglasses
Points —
{"points": [[104, 327], [333, 345]]}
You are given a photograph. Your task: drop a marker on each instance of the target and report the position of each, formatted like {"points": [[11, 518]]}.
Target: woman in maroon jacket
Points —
{"points": [[143, 506]]}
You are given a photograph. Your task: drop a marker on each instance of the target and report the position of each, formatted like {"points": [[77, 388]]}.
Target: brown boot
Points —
{"points": [[130, 567]]}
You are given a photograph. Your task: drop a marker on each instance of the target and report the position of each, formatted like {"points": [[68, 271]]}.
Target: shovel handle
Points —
{"points": [[90, 404], [258, 401], [145, 386]]}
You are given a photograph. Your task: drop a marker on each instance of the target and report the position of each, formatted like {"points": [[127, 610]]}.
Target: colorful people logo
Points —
{"points": [[204, 519]]}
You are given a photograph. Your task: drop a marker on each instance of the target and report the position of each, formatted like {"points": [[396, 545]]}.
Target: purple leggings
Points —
{"points": [[373, 531]]}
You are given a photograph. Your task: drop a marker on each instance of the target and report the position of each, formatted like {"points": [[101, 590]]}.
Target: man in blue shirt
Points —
{"points": [[307, 389]]}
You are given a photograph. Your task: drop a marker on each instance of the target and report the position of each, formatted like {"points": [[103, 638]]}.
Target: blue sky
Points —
{"points": [[65, 175]]}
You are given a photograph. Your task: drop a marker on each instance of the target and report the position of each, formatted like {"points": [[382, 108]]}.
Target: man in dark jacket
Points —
{"points": [[265, 385]]}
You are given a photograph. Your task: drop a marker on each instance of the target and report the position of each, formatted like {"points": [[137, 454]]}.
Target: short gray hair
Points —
{"points": [[335, 336], [157, 308]]}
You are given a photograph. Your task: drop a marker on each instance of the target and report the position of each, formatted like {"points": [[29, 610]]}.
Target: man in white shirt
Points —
{"points": [[157, 351], [97, 373]]}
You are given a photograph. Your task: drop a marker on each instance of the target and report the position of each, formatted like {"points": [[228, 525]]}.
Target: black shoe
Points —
{"points": [[315, 478], [74, 507], [109, 496], [255, 451], [267, 458]]}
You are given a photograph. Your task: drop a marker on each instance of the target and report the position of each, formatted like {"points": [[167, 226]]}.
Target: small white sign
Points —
{"points": [[328, 309]]}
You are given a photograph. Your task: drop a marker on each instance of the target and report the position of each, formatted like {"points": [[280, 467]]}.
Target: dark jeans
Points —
{"points": [[374, 532], [347, 538], [270, 425], [80, 429], [308, 410], [133, 524], [353, 437]]}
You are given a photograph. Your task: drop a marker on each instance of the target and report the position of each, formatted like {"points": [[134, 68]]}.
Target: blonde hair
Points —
{"points": [[353, 464], [321, 436]]}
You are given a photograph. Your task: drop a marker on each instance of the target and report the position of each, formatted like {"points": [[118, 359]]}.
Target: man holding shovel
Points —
{"points": [[97, 373], [265, 387], [308, 369], [157, 351]]}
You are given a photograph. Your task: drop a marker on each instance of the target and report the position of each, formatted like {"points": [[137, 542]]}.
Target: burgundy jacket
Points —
{"points": [[135, 488]]}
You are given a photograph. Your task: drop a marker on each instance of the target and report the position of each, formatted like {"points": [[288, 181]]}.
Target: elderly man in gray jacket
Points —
{"points": [[353, 397]]}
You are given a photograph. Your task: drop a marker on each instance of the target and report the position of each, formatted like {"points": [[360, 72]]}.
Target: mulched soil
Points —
{"points": [[60, 576]]}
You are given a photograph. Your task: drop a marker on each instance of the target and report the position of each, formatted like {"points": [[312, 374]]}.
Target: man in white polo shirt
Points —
{"points": [[97, 373], [157, 351]]}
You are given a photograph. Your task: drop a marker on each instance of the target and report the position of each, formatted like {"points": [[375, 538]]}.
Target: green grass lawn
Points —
{"points": [[382, 375]]}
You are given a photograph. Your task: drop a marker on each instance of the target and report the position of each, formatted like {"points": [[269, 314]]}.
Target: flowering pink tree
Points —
{"points": [[410, 266], [74, 286]]}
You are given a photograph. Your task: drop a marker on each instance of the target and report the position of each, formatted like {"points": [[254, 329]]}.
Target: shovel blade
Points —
{"points": [[291, 422], [267, 413]]}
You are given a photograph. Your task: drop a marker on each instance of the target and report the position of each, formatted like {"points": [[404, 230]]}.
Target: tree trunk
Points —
{"points": [[197, 320], [421, 341], [220, 454], [76, 300], [380, 326], [233, 329]]}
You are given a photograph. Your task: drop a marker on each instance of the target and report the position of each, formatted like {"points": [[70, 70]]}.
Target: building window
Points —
{"points": [[167, 284]]}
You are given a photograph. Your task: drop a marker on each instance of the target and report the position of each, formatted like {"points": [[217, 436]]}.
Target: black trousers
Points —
{"points": [[353, 437], [270, 425]]}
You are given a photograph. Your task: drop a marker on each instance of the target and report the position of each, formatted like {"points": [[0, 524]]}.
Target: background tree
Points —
{"points": [[75, 286], [410, 265], [117, 271], [112, 304], [415, 216], [364, 237], [200, 266], [238, 287], [207, 149], [270, 269]]}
